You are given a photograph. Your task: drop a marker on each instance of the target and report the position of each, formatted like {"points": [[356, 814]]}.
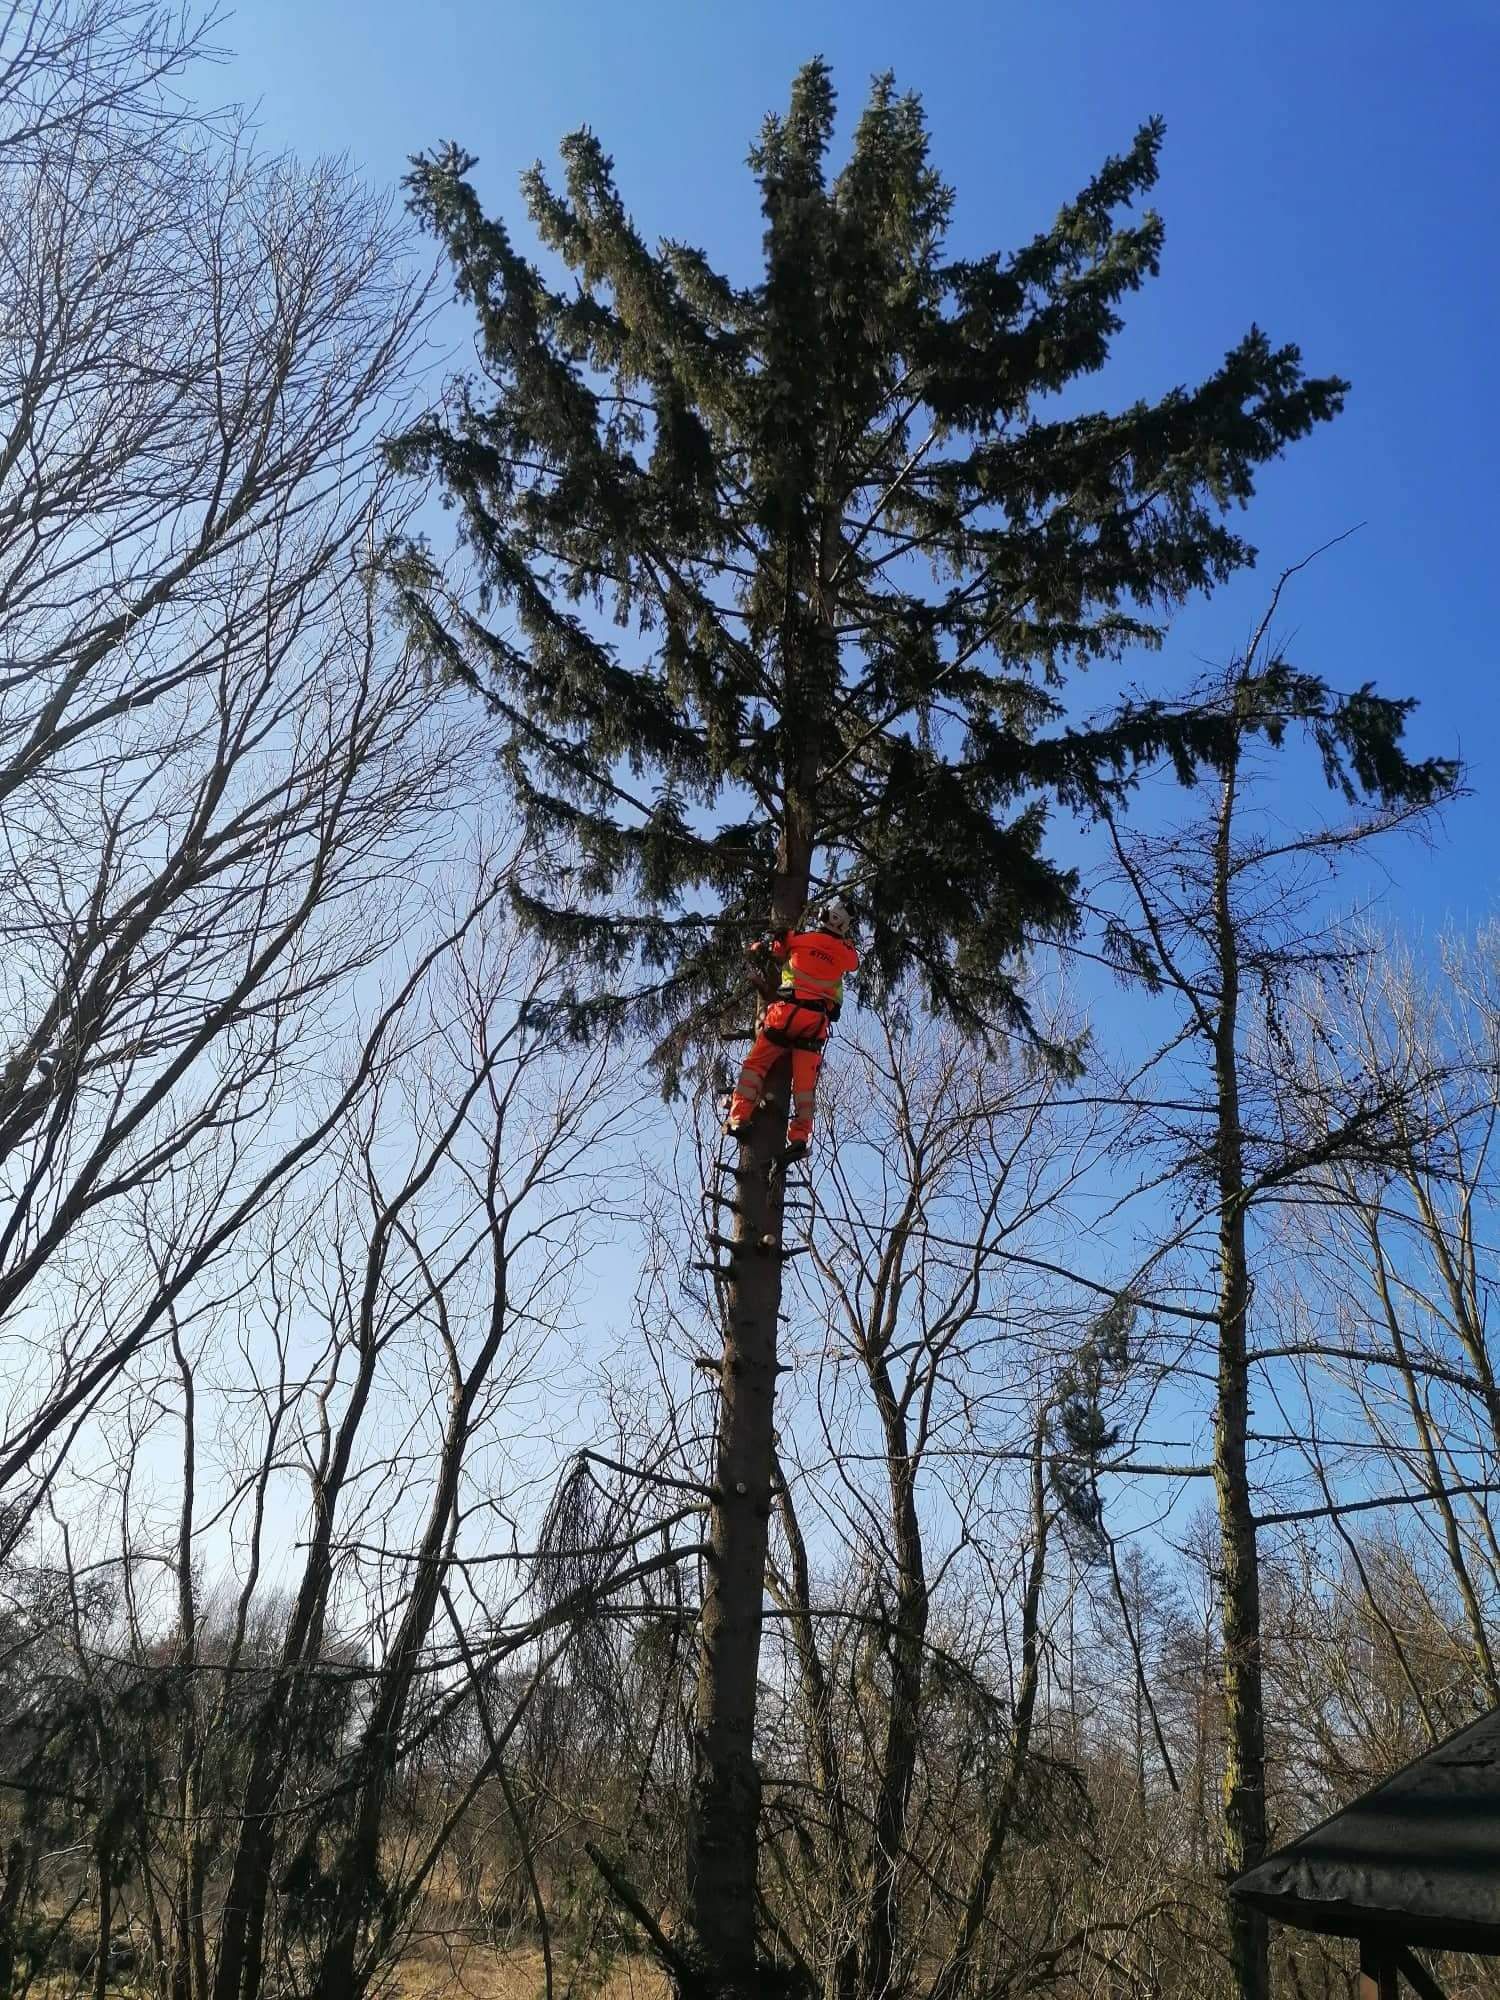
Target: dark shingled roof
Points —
{"points": [[1417, 1858]]}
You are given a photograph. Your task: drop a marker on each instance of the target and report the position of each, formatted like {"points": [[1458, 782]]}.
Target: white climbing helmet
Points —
{"points": [[838, 918]]}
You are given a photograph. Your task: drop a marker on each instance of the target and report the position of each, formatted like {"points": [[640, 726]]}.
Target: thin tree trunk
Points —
{"points": [[356, 1869], [190, 1938], [10, 1902], [240, 1965], [1244, 1718], [904, 1716], [841, 1973], [1140, 1750], [1437, 1484], [237, 1972], [1201, 1699], [105, 1860], [954, 1977]]}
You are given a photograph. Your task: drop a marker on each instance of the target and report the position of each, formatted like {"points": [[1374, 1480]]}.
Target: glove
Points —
{"points": [[765, 976]]}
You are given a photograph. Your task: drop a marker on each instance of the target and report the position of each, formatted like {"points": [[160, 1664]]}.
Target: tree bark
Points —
{"points": [[724, 1810], [104, 1860], [356, 1869], [903, 1721], [190, 1977], [838, 1864], [240, 1962], [16, 1870], [1244, 1716], [1423, 1430], [724, 1799], [954, 1978]]}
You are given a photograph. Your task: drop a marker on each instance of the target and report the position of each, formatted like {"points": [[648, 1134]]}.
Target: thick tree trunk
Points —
{"points": [[1244, 1715], [724, 1803]]}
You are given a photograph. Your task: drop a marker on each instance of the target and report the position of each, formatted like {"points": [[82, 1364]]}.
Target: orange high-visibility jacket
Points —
{"points": [[813, 966]]}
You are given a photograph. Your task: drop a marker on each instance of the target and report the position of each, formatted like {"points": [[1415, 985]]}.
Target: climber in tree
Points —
{"points": [[814, 963]]}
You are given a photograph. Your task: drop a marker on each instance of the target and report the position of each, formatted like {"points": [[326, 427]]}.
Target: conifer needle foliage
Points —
{"points": [[777, 583]]}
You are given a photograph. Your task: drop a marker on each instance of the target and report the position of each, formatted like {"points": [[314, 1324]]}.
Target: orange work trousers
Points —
{"points": [[801, 1024]]}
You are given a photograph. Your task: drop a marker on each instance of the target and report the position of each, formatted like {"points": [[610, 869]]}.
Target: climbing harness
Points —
{"points": [[815, 1044]]}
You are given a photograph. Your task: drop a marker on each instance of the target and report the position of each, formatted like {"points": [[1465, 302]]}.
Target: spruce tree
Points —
{"points": [[775, 588]]}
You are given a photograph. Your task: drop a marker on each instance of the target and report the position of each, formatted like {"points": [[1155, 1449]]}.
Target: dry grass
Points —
{"points": [[430, 1969], [471, 1972]]}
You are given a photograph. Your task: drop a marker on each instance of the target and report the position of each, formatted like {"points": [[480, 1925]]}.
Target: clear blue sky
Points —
{"points": [[1331, 170]]}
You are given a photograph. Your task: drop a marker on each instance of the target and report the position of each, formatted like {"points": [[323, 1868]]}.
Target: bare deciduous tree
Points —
{"points": [[208, 752]]}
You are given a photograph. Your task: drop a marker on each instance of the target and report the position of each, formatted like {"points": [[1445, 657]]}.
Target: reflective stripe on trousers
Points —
{"points": [[785, 1018]]}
